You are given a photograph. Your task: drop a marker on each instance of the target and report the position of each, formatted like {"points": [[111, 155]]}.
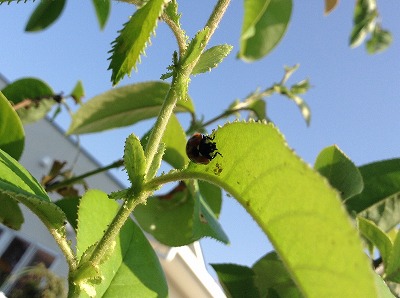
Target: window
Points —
{"points": [[16, 253]]}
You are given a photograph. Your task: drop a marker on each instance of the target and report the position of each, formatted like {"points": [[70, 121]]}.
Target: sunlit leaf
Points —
{"points": [[377, 237], [379, 41], [264, 25], [12, 135], [363, 21], [392, 267], [78, 92], [133, 268], [17, 183], [211, 58], [133, 38], [135, 162], [282, 193], [123, 106]]}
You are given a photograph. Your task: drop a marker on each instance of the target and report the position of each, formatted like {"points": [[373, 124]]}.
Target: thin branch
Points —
{"points": [[73, 180]]}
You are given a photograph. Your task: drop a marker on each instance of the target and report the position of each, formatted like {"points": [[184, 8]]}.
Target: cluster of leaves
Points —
{"points": [[282, 193]]}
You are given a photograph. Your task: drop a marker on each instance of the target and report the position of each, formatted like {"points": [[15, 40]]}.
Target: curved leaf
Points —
{"points": [[46, 13], [179, 217], [340, 171], [294, 206], [10, 213], [237, 281], [133, 268], [12, 135], [131, 42], [265, 23], [122, 107], [273, 276], [211, 58], [17, 183], [380, 199], [135, 162], [330, 5], [377, 237], [31, 89]]}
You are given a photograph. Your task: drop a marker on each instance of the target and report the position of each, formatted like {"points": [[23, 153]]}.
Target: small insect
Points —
{"points": [[201, 148]]}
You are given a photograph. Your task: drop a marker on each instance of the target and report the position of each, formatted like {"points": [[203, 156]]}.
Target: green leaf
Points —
{"points": [[17, 183], [135, 162], [102, 8], [392, 267], [383, 289], [376, 236], [174, 139], [255, 103], [205, 222], [10, 213], [12, 135], [380, 40], [385, 213], [69, 206], [123, 106], [301, 87], [380, 199], [213, 196], [133, 268], [283, 194], [363, 20], [179, 218], [237, 281], [133, 38], [78, 92], [45, 14], [340, 171], [211, 58], [272, 276], [15, 179], [172, 12], [264, 25], [195, 47], [33, 89]]}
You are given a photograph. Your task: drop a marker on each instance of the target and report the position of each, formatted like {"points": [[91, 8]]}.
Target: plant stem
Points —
{"points": [[71, 181], [178, 32], [113, 229], [178, 81]]}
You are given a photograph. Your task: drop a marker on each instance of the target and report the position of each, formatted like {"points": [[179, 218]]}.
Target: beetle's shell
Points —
{"points": [[199, 148]]}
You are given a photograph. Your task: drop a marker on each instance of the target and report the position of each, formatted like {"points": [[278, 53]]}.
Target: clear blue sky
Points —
{"points": [[355, 99]]}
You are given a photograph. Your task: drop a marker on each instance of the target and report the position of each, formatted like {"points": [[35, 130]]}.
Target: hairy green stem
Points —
{"points": [[65, 248], [115, 226], [178, 32], [178, 81]]}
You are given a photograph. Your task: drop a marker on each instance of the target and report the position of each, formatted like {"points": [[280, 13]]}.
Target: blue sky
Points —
{"points": [[355, 98]]}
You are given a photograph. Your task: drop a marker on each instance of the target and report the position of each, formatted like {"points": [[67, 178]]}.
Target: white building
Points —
{"points": [[183, 266]]}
